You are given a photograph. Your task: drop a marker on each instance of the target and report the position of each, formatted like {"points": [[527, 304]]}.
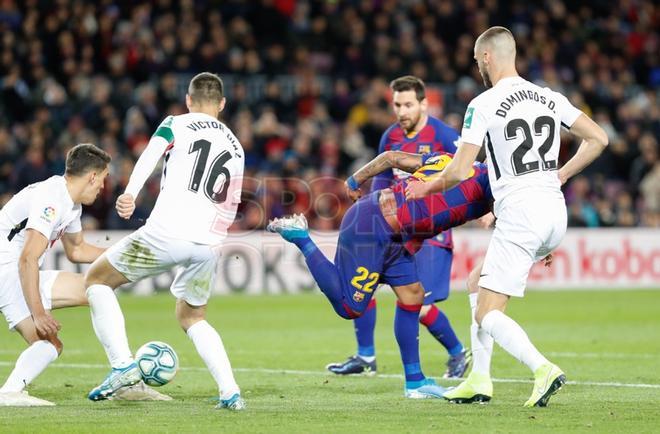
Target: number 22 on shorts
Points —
{"points": [[363, 276]]}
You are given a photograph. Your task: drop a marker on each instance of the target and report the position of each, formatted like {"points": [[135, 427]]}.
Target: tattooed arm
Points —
{"points": [[387, 160]]}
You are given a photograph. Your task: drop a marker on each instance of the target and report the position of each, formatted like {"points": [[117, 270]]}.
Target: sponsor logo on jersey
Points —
{"points": [[468, 117], [48, 214]]}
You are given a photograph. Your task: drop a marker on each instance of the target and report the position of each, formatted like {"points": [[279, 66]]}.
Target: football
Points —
{"points": [[158, 363]]}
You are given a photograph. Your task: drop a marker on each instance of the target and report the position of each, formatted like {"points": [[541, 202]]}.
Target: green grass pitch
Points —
{"points": [[607, 342]]}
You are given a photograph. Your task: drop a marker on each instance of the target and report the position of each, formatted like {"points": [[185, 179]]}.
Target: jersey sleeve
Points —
{"points": [[75, 226], [475, 125], [568, 113], [158, 144], [45, 212], [449, 138], [384, 179]]}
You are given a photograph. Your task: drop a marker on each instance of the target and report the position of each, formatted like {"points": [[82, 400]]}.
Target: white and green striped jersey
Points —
{"points": [[519, 122], [201, 180]]}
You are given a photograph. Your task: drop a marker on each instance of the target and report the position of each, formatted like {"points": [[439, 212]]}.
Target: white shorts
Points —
{"points": [[143, 254], [525, 232], [12, 302]]}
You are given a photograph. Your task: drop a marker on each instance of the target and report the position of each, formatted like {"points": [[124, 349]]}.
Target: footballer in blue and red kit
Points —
{"points": [[433, 258], [378, 236]]}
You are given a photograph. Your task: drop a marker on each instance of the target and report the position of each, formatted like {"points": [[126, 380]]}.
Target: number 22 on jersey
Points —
{"points": [[364, 280]]}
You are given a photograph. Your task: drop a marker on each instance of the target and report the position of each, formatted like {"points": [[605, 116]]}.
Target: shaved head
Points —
{"points": [[500, 41], [495, 50]]}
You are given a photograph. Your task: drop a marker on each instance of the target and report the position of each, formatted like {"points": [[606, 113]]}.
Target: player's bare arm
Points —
{"points": [[387, 160], [594, 141], [78, 250], [456, 171], [145, 165], [28, 268]]}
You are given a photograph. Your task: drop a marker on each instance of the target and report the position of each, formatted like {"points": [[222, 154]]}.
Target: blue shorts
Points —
{"points": [[369, 253], [434, 270]]}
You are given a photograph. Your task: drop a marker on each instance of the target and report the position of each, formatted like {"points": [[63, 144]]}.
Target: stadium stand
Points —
{"points": [[307, 91]]}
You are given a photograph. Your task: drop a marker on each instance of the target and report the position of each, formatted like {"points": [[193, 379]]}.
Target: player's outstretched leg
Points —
{"points": [[294, 230], [478, 387], [364, 362], [437, 323], [406, 330], [32, 362], [109, 326], [548, 378], [433, 264], [211, 349]]}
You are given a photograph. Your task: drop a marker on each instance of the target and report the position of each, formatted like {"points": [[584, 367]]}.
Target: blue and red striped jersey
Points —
{"points": [[423, 218], [436, 136]]}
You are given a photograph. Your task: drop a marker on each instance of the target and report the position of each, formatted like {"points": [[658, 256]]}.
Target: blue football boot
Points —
{"points": [[234, 403], [457, 365], [428, 389], [354, 365], [116, 379], [290, 228]]}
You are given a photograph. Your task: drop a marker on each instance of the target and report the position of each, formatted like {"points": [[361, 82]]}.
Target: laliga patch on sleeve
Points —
{"points": [[48, 214], [468, 117]]}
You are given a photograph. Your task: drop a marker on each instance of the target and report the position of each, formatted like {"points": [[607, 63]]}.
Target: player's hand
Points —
{"points": [[46, 325], [416, 190], [125, 205], [353, 194], [486, 221], [547, 261]]}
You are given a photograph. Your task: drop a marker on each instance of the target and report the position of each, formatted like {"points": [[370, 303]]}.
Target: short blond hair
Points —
{"points": [[499, 39]]}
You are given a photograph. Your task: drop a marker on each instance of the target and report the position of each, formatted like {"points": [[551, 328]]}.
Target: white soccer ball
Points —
{"points": [[158, 363]]}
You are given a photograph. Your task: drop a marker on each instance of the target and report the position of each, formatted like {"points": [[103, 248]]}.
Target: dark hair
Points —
{"points": [[84, 158], [206, 87], [409, 82]]}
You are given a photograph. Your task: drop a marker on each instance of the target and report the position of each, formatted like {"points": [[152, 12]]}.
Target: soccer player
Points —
{"points": [[377, 237], [418, 133], [200, 192], [520, 123], [30, 223]]}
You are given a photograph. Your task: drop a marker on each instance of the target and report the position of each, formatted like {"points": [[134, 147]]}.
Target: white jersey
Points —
{"points": [[45, 207], [201, 180], [520, 123]]}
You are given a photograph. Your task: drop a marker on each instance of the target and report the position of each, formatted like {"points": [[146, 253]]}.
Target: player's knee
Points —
{"points": [[188, 315], [481, 313], [57, 343], [473, 280], [424, 311]]}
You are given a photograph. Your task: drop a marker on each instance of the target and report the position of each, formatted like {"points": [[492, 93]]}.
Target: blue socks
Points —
{"points": [[438, 325], [406, 330], [364, 330]]}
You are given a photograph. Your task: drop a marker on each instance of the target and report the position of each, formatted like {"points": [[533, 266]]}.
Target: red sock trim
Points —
{"points": [[430, 316], [371, 305], [409, 307], [351, 313]]}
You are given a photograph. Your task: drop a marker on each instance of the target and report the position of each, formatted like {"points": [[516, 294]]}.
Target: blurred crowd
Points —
{"points": [[307, 88]]}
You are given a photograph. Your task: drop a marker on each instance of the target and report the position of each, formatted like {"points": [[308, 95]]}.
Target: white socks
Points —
{"points": [[108, 323], [510, 336], [481, 341], [29, 365], [210, 348]]}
